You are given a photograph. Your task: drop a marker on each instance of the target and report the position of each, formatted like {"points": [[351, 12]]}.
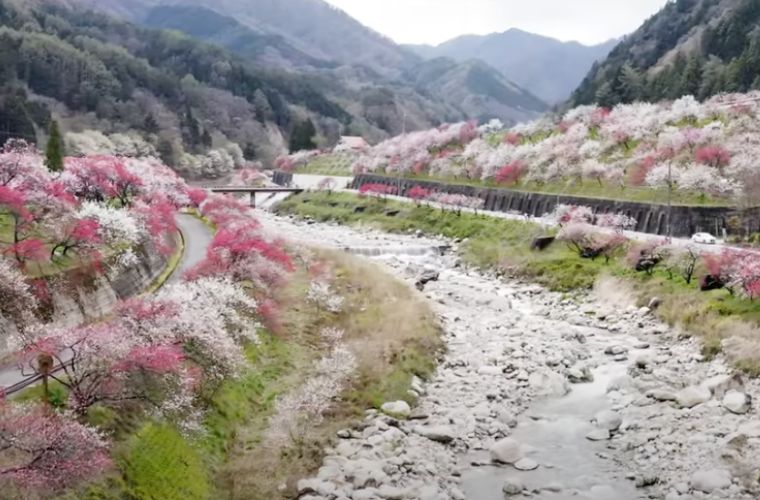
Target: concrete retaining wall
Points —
{"points": [[651, 217], [282, 178]]}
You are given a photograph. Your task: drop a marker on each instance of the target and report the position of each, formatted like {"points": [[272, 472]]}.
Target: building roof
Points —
{"points": [[353, 142]]}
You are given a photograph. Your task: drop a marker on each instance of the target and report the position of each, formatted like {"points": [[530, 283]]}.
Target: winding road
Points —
{"points": [[197, 237]]}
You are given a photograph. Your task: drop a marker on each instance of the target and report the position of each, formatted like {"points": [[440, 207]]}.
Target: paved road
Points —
{"points": [[197, 238]]}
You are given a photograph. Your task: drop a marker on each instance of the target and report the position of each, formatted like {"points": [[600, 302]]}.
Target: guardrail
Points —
{"points": [[30, 381]]}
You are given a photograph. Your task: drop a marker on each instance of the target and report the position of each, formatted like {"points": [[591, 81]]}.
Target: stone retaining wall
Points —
{"points": [[77, 298], [92, 300], [651, 217]]}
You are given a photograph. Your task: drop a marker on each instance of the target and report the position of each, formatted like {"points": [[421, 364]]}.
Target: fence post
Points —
{"points": [[45, 366]]}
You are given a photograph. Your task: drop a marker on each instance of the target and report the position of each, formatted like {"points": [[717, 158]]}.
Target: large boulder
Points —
{"points": [[736, 402], [609, 420], [507, 451], [441, 434], [549, 384], [396, 409], [708, 481], [580, 375], [426, 277], [719, 385], [512, 487], [542, 243], [693, 396], [526, 464], [598, 435]]}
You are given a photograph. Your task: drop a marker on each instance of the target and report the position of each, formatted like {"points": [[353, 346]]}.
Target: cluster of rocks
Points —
{"points": [[676, 425]]}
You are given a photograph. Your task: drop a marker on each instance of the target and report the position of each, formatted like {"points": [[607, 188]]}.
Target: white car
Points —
{"points": [[706, 238]]}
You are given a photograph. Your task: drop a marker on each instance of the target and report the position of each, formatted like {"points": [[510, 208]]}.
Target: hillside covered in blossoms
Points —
{"points": [[706, 152]]}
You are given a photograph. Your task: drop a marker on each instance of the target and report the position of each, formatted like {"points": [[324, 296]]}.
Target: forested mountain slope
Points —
{"points": [[175, 94], [313, 27], [697, 47], [368, 74]]}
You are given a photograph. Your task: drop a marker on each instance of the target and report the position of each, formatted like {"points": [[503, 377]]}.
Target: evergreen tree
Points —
{"points": [[302, 136], [262, 107], [15, 121], [631, 83], [54, 150], [604, 96], [206, 139], [151, 125], [191, 130], [166, 151], [249, 152], [713, 77]]}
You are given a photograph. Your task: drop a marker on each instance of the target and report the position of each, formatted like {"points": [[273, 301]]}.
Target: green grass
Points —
{"points": [[159, 464], [249, 399], [171, 266], [592, 189], [338, 165], [491, 242], [330, 164], [58, 394], [503, 245], [6, 229]]}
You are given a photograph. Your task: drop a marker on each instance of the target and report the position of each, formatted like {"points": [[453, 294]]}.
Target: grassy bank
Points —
{"points": [[587, 189], [593, 189], [723, 322], [391, 332], [388, 327]]}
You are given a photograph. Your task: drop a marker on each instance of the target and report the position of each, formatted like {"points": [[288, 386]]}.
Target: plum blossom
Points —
{"points": [[299, 410], [324, 298], [45, 451]]}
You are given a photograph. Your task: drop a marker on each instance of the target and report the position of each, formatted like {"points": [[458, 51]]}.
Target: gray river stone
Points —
{"points": [[512, 487], [693, 396], [598, 435], [506, 451], [608, 420], [708, 481], [441, 434], [496, 330], [526, 464], [397, 408], [736, 402]]}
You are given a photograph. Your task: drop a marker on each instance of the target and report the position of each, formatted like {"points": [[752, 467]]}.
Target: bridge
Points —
{"points": [[253, 191]]}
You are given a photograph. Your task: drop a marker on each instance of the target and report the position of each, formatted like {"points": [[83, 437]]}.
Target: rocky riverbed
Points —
{"points": [[541, 396]]}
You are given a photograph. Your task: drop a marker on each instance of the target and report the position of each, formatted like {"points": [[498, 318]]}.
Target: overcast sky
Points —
{"points": [[435, 21]]}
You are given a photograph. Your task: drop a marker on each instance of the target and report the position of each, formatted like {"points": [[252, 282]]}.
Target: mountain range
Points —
{"points": [[551, 69], [697, 47], [351, 63]]}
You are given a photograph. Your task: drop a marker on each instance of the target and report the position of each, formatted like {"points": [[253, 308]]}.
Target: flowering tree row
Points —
{"points": [[737, 271], [419, 194], [579, 214], [97, 207], [684, 145], [163, 354]]}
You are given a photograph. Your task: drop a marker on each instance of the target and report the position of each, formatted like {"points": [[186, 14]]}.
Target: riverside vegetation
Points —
{"points": [[228, 380], [504, 245]]}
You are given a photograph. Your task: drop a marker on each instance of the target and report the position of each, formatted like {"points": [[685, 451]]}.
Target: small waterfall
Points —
{"points": [[379, 251]]}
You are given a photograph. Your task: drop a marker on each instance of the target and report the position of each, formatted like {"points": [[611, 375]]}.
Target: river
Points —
{"points": [[579, 391]]}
